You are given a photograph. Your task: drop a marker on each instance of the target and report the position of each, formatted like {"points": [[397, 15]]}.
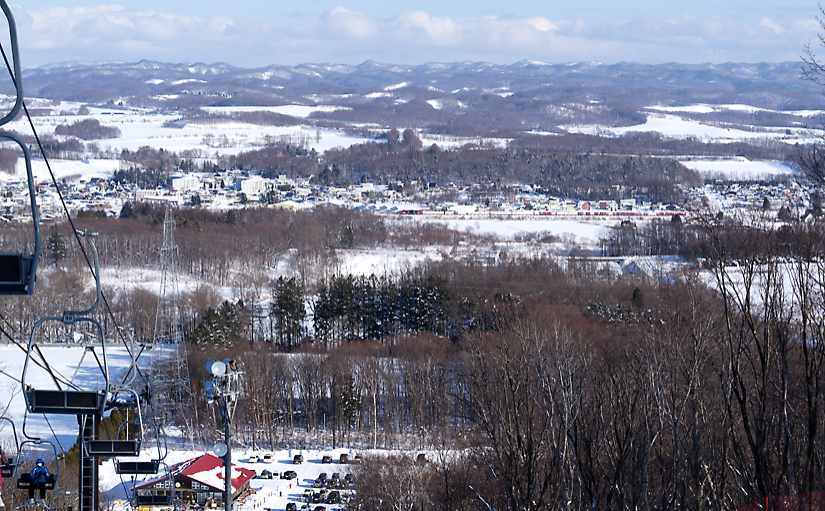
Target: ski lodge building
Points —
{"points": [[198, 482]]}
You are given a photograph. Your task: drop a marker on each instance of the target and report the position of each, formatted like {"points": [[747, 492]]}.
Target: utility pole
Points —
{"points": [[174, 388], [224, 390], [227, 460]]}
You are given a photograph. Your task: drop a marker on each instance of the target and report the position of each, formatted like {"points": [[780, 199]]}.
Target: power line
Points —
{"points": [[75, 230], [46, 367]]}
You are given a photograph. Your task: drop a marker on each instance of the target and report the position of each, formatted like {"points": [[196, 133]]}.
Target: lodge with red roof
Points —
{"points": [[198, 482]]}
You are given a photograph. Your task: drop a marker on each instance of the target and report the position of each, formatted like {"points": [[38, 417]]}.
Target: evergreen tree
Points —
{"points": [[56, 247]]}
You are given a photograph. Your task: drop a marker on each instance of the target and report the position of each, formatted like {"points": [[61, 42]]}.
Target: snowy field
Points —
{"points": [[585, 233], [673, 126], [739, 168], [139, 128], [149, 279], [65, 169], [64, 361], [704, 108], [383, 261]]}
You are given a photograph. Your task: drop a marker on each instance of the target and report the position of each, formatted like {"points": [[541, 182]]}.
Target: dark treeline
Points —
{"points": [[242, 251], [87, 129], [372, 353], [349, 309], [655, 144], [568, 174], [701, 237]]}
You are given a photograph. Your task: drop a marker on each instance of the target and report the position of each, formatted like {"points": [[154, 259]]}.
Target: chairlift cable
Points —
{"points": [[39, 364], [54, 435], [13, 378], [75, 230]]}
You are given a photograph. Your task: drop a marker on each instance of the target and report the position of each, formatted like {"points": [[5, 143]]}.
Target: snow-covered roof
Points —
{"points": [[207, 470]]}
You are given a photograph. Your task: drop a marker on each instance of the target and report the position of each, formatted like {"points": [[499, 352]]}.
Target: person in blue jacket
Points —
{"points": [[40, 477]]}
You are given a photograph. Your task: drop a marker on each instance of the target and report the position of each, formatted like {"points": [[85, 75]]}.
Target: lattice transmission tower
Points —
{"points": [[172, 386]]}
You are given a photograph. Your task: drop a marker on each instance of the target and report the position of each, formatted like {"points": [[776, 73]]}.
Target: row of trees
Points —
{"points": [[717, 404]]}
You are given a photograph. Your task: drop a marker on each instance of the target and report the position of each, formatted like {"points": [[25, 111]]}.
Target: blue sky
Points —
{"points": [[262, 32]]}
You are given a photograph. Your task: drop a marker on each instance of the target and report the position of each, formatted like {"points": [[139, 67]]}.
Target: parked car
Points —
{"points": [[268, 458], [292, 507], [335, 481], [308, 495], [334, 498], [265, 474], [253, 459], [358, 459], [326, 459], [319, 497], [289, 475], [343, 459], [298, 459]]}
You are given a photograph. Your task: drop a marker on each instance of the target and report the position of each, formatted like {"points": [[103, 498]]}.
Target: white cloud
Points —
{"points": [[772, 26], [437, 30], [115, 32], [350, 23]]}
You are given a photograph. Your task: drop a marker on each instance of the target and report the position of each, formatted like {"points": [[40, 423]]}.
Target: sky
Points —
{"points": [[256, 33]]}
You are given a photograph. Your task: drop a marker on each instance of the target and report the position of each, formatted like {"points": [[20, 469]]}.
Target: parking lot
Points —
{"points": [[300, 484]]}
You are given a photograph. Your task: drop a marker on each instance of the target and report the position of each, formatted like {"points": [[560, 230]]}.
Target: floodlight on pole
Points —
{"points": [[220, 449], [224, 389], [218, 369]]}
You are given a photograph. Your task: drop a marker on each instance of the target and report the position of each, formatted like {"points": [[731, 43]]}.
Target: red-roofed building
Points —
{"points": [[197, 482]]}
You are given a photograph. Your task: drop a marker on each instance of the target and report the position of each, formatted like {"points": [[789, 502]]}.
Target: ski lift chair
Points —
{"points": [[146, 467], [27, 481], [60, 400], [167, 499], [125, 444], [8, 465], [18, 271], [15, 59]]}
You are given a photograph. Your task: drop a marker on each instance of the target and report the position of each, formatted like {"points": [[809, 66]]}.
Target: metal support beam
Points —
{"points": [[88, 492], [227, 462]]}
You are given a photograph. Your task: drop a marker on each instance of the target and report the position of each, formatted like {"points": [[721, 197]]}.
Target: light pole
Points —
{"points": [[224, 390]]}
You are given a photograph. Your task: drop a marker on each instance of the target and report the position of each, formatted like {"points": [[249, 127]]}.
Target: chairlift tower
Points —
{"points": [[173, 390], [224, 390]]}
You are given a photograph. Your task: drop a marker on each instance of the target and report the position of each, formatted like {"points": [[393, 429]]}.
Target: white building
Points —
{"points": [[255, 185], [186, 183]]}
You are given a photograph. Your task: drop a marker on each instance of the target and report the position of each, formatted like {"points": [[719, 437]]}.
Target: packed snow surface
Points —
{"points": [[673, 126], [66, 169], [64, 361], [164, 130], [739, 168], [587, 233], [703, 108]]}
